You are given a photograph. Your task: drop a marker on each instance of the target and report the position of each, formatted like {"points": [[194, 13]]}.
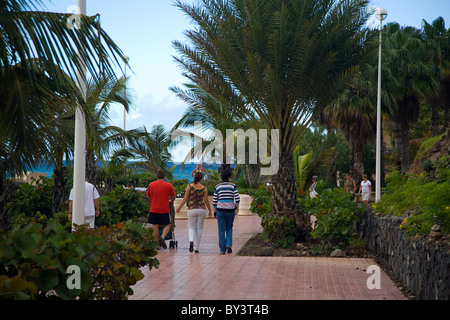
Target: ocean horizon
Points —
{"points": [[177, 173]]}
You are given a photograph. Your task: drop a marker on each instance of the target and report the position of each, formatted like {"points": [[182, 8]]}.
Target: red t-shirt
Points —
{"points": [[159, 192]]}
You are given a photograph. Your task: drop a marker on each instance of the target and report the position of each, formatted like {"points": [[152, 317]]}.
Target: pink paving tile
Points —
{"points": [[210, 276]]}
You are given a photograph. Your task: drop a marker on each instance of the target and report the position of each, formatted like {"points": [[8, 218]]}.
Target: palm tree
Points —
{"points": [[275, 64], [150, 149], [437, 33], [411, 80], [204, 109], [35, 48], [354, 113], [100, 136]]}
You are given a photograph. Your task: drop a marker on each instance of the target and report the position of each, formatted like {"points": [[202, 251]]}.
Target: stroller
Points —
{"points": [[171, 235]]}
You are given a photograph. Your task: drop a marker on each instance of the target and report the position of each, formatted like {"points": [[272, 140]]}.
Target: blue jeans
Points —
{"points": [[225, 223]]}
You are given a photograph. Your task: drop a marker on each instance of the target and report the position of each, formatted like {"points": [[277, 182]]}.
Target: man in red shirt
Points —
{"points": [[159, 192]]}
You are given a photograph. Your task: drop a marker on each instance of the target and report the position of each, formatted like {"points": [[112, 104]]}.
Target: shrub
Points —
{"points": [[120, 205], [420, 199], [277, 230], [29, 199], [336, 215], [179, 185], [34, 259]]}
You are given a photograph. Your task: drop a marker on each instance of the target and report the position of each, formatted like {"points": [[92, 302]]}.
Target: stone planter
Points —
{"points": [[244, 205]]}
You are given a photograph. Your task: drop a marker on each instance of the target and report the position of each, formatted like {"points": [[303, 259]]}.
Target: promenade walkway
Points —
{"points": [[209, 275]]}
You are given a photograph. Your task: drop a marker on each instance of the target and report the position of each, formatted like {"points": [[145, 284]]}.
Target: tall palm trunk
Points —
{"points": [[284, 194], [435, 117], [357, 161], [401, 136], [59, 188], [91, 169]]}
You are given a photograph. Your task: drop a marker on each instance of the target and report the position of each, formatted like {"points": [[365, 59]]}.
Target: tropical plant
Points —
{"points": [[150, 149], [31, 199], [36, 47], [35, 260], [215, 119], [100, 136], [410, 79], [354, 113], [306, 166], [437, 33], [274, 64], [336, 214]]}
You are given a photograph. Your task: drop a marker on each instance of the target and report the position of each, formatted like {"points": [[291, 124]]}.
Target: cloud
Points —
{"points": [[151, 111]]}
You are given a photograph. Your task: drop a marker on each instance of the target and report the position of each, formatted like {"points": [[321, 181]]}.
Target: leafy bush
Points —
{"points": [[336, 215], [120, 205], [34, 259], [420, 199], [277, 230], [179, 185], [29, 199]]}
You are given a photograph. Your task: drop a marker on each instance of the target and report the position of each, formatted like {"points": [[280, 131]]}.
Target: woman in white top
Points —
{"points": [[365, 189]]}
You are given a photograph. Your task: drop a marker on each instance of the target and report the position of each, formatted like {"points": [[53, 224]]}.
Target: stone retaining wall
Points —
{"points": [[419, 266]]}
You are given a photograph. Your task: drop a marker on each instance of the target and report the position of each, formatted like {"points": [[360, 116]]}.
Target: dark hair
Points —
{"points": [[226, 175], [160, 174], [198, 177]]}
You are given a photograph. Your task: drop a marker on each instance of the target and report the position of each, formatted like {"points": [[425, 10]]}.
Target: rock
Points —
{"points": [[436, 228], [338, 253], [262, 251], [300, 246], [435, 232]]}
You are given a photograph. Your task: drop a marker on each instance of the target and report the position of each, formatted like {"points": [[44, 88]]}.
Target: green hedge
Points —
{"points": [[34, 260]]}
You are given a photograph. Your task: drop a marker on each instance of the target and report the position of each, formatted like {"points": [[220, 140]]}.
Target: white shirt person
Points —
{"points": [[91, 204]]}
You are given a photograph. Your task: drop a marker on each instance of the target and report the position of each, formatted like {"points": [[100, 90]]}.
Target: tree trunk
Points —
{"points": [[357, 162], [434, 118], [91, 169], [59, 188], [401, 135], [446, 116], [284, 195]]}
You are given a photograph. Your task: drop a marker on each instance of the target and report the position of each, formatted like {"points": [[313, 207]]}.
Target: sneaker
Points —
{"points": [[162, 243], [229, 250], [222, 252], [191, 246]]}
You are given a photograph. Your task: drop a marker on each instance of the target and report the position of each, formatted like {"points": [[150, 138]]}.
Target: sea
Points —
{"points": [[177, 173]]}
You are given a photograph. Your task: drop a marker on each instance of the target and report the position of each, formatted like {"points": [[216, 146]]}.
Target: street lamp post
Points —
{"points": [[79, 166], [381, 14], [126, 59]]}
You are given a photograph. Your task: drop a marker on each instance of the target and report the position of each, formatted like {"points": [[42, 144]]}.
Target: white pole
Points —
{"points": [[80, 144], [126, 58], [381, 14]]}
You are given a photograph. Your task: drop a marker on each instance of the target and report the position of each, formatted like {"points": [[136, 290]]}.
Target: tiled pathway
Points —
{"points": [[210, 276]]}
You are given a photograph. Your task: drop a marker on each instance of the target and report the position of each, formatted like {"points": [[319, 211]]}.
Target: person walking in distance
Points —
{"points": [[225, 202], [350, 185], [160, 193], [365, 189], [91, 204], [196, 196]]}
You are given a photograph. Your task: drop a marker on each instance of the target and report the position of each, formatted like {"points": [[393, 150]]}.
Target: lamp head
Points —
{"points": [[381, 13]]}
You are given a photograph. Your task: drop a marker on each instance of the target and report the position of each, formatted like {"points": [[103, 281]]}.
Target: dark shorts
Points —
{"points": [[160, 219]]}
